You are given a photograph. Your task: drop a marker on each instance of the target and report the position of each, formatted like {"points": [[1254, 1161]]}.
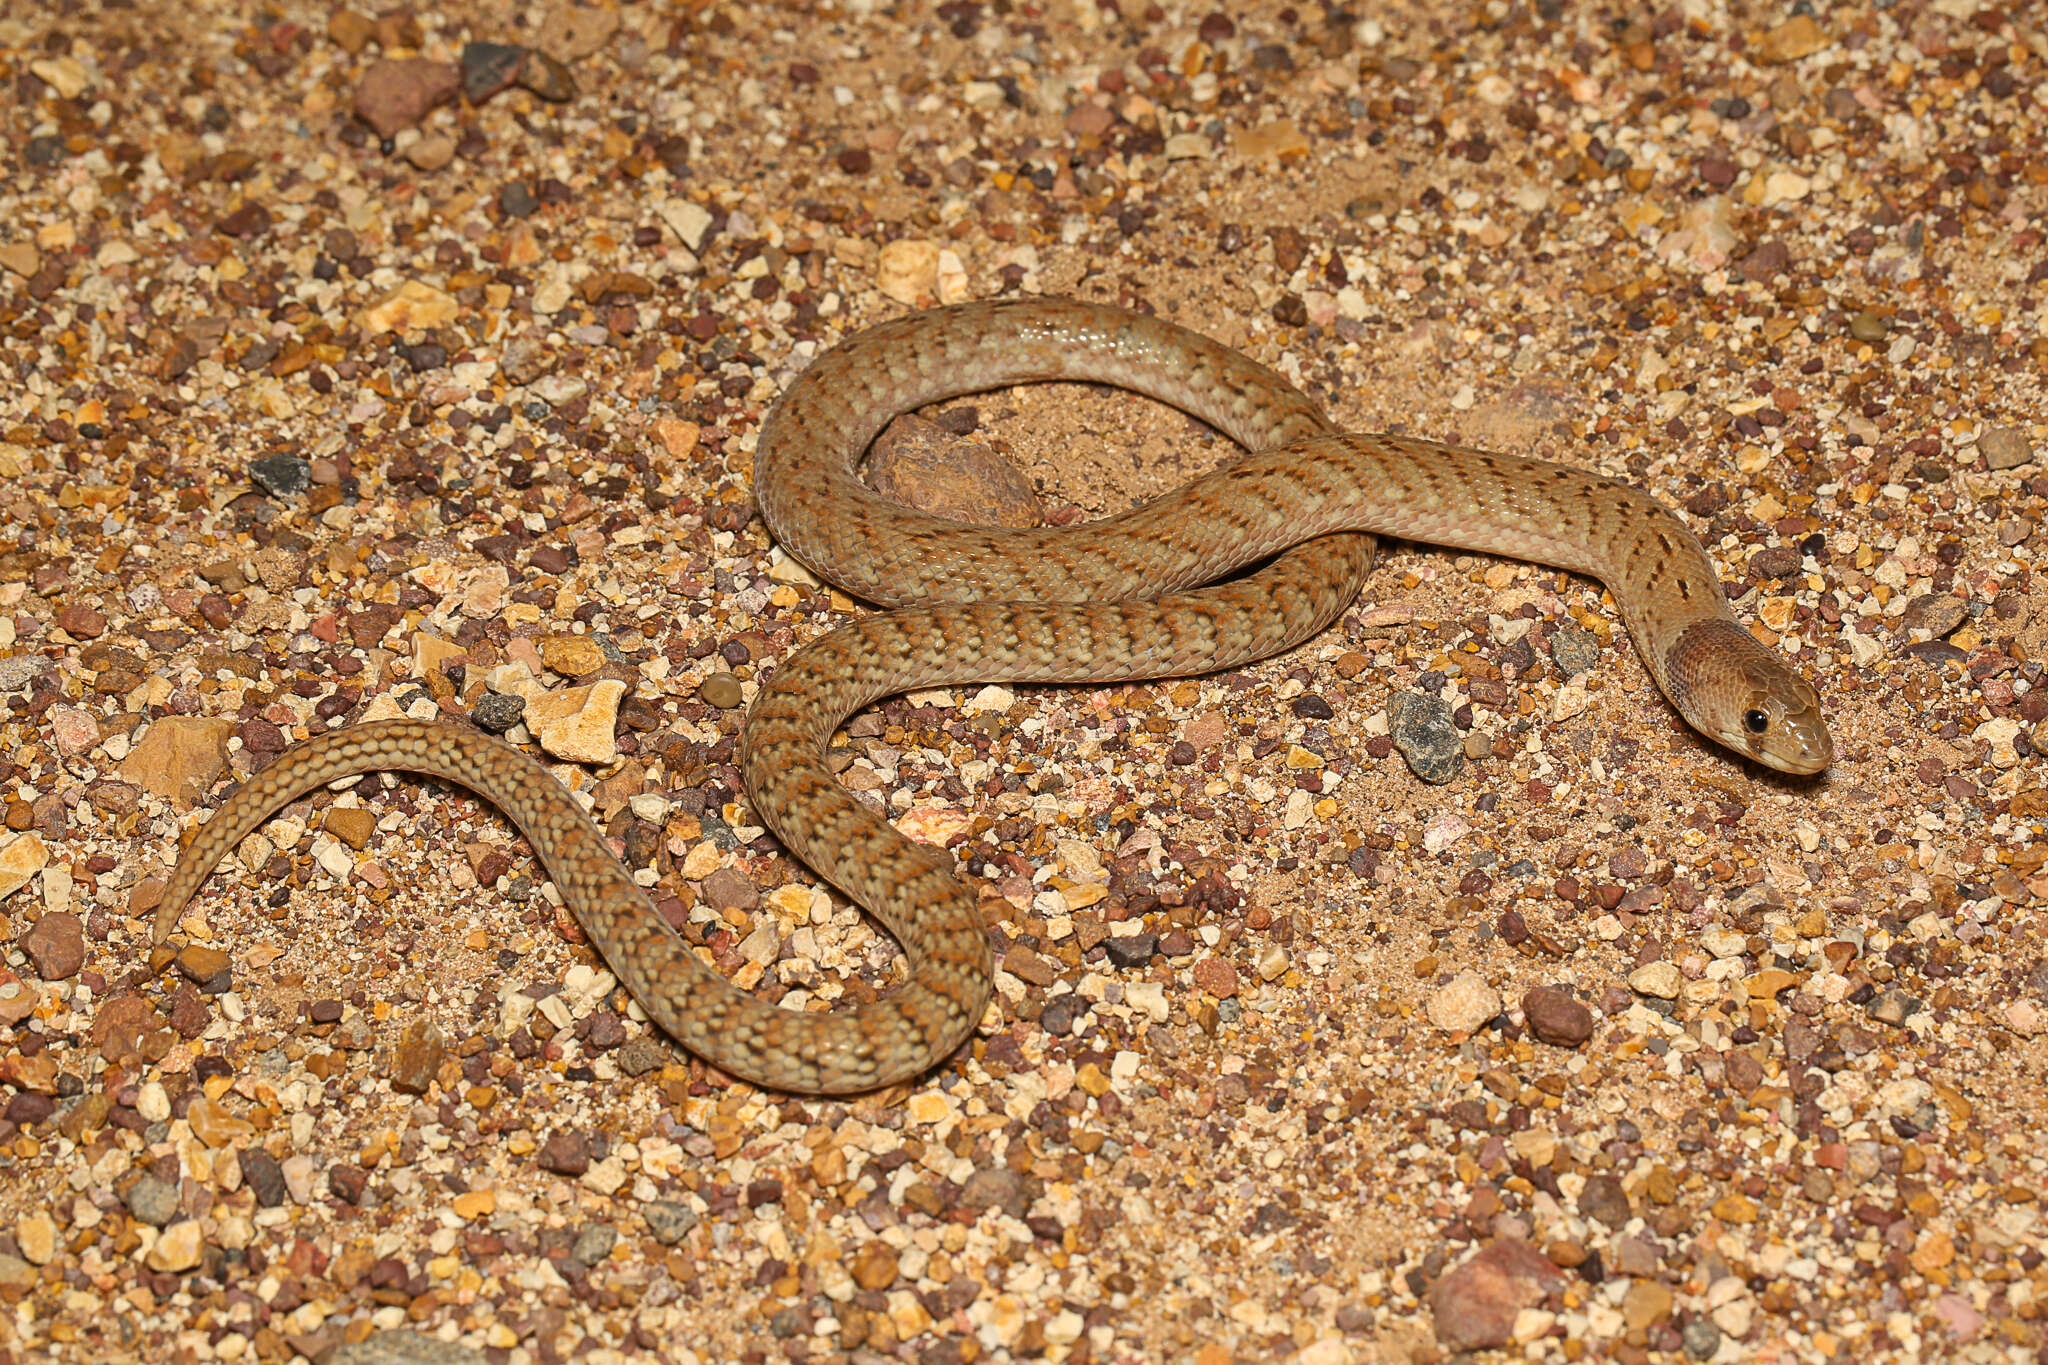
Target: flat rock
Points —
{"points": [[401, 1346], [1799, 36], [921, 464], [577, 724], [1476, 1303], [56, 944], [1936, 613], [2006, 448], [397, 92], [179, 757], [411, 307]]}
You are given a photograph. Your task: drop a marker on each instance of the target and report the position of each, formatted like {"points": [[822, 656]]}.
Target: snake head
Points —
{"points": [[1780, 726], [1733, 690]]}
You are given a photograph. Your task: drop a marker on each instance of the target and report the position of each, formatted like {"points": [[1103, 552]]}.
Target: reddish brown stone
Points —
{"points": [[1555, 1017], [1476, 1303], [56, 945], [397, 93], [82, 621], [1217, 976]]}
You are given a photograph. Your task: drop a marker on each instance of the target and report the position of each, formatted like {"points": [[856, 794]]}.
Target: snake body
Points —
{"points": [[1122, 599]]}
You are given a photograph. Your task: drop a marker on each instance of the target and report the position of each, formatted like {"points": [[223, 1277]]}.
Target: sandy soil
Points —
{"points": [[337, 348]]}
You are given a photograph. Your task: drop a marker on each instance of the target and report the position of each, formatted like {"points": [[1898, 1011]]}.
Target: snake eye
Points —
{"points": [[1755, 721]]}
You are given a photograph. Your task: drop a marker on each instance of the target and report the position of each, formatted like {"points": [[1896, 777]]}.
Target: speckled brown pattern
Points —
{"points": [[1318, 485], [818, 1053], [1125, 617], [1302, 481]]}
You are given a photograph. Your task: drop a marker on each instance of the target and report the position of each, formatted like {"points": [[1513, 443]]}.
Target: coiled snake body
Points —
{"points": [[1120, 599]]}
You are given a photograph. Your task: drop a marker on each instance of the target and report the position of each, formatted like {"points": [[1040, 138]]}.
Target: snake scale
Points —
{"points": [[1123, 598]]}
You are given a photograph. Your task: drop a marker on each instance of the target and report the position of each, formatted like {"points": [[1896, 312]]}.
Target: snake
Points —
{"points": [[1243, 563]]}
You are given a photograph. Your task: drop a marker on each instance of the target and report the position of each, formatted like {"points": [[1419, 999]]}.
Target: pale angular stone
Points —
{"points": [[413, 306], [179, 1248], [1280, 139], [577, 723], [37, 1235], [1463, 1005], [179, 757], [689, 221], [1661, 980], [20, 258], [21, 857], [908, 270]]}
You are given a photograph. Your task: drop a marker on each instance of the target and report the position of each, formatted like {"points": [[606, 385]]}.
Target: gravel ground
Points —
{"points": [[359, 366]]}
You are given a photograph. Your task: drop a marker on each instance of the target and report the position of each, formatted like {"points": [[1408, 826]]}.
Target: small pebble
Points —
{"points": [[1464, 1005], [565, 1154], [547, 78], [593, 1244], [1702, 1338], [1939, 614], [1575, 651], [351, 824], [1476, 1304], [498, 712], [669, 1221], [264, 1176], [488, 68], [1421, 727], [282, 476], [153, 1201], [200, 964], [416, 1060], [721, 690], [1603, 1198], [179, 1248], [397, 93], [1556, 1018], [55, 944], [874, 1266], [432, 152], [1659, 980], [2006, 448]]}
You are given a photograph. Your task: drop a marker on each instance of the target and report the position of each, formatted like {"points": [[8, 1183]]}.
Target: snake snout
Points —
{"points": [[1807, 747]]}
